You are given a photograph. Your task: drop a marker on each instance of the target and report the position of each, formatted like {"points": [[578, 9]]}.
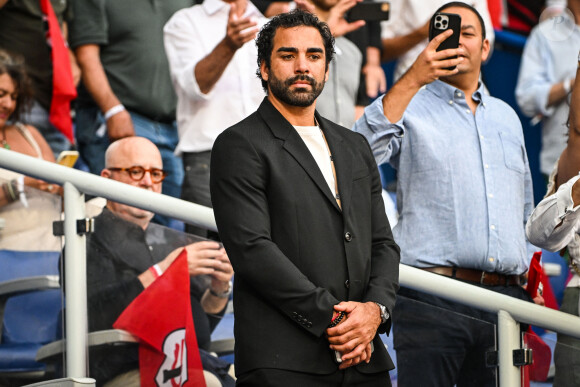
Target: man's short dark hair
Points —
{"points": [[466, 6], [296, 18]]}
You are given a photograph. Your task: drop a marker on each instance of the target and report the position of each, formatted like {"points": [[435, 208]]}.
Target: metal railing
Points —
{"points": [[510, 311]]}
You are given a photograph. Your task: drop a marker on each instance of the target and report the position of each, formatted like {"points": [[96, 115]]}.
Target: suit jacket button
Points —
{"points": [[347, 284], [308, 324], [348, 236]]}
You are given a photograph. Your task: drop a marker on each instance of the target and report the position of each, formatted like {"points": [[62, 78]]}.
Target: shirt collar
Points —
{"points": [[448, 93], [213, 6]]}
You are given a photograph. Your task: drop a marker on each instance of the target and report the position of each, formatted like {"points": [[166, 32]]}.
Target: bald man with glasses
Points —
{"points": [[127, 253]]}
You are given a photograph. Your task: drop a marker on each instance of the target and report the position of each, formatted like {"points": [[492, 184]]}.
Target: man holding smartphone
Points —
{"points": [[464, 195]]}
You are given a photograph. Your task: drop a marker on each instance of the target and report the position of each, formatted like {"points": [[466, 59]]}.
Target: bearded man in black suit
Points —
{"points": [[297, 201]]}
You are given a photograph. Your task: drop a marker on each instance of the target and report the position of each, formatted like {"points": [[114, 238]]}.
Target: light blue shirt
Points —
{"points": [[549, 58], [464, 188]]}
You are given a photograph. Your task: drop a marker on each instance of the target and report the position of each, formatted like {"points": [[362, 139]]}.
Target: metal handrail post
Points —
{"points": [[76, 284], [509, 339]]}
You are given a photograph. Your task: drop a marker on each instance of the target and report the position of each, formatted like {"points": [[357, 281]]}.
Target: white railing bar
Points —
{"points": [[98, 186], [202, 216], [76, 284], [508, 333]]}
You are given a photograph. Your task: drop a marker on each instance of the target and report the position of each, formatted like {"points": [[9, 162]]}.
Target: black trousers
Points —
{"points": [[268, 377], [443, 343], [195, 187]]}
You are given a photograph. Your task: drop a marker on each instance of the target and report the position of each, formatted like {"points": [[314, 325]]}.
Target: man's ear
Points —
{"points": [[485, 48], [106, 173], [264, 71], [326, 76]]}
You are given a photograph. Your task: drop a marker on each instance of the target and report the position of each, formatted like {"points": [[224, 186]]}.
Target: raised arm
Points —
{"points": [[239, 31], [569, 163], [429, 66], [554, 221]]}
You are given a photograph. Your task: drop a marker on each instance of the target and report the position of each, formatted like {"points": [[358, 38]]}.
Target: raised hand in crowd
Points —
{"points": [[338, 25], [239, 30]]}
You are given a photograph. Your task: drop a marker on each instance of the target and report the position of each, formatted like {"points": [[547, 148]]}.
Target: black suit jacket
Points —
{"points": [[294, 252]]}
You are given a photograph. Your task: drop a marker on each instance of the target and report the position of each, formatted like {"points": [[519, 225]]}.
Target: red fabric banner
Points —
{"points": [[161, 318], [63, 87]]}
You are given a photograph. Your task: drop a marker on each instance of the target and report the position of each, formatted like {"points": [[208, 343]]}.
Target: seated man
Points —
{"points": [[123, 248]]}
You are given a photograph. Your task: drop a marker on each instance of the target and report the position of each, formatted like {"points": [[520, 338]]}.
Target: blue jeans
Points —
{"points": [[37, 116], [93, 141], [196, 187]]}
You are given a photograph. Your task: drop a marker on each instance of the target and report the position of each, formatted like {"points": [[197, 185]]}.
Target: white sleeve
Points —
{"points": [[184, 51], [555, 220]]}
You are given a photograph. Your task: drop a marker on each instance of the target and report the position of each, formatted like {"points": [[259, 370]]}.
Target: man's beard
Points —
{"points": [[300, 96]]}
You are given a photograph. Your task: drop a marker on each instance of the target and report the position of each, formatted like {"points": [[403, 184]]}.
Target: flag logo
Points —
{"points": [[173, 371]]}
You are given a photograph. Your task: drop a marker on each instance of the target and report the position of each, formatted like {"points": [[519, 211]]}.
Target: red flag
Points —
{"points": [[534, 275], [63, 87], [161, 317]]}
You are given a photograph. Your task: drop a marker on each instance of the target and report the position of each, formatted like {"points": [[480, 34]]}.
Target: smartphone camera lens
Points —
{"points": [[438, 25]]}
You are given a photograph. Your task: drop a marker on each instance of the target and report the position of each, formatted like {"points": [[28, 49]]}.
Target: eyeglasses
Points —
{"points": [[136, 173]]}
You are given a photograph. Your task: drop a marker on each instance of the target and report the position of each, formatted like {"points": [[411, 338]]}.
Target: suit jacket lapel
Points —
{"points": [[294, 145], [342, 157]]}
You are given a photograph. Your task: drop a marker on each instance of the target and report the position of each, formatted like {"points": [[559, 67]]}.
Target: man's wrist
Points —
{"points": [[383, 313], [222, 293], [113, 111]]}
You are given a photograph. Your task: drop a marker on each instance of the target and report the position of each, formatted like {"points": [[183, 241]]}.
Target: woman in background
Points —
{"points": [[28, 206]]}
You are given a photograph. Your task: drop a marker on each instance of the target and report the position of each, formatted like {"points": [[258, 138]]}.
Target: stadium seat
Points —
{"points": [[30, 306]]}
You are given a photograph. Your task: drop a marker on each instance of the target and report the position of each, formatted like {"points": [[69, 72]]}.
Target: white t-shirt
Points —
{"points": [[314, 140]]}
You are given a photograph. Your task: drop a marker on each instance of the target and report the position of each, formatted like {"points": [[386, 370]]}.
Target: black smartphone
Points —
{"points": [[370, 10], [441, 22]]}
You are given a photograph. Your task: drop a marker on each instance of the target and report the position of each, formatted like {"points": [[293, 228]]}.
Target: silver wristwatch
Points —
{"points": [[384, 314]]}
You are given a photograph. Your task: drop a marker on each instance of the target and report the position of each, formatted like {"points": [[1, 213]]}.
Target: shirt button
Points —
{"points": [[347, 284], [467, 111], [348, 236], [490, 195], [450, 102], [150, 248], [481, 137], [458, 94], [491, 259], [492, 227], [486, 166]]}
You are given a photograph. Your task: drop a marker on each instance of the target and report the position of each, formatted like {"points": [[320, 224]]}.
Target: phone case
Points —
{"points": [[67, 158], [441, 22]]}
